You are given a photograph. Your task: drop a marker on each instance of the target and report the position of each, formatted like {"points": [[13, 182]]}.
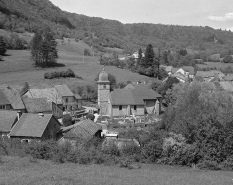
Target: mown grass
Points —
{"points": [[23, 171], [18, 68]]}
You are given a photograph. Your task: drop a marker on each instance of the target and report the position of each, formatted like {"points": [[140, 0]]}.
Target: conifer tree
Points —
{"points": [[149, 57], [2, 46], [44, 48]]}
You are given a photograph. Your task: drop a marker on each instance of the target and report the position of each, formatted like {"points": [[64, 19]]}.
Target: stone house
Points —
{"points": [[67, 97]]}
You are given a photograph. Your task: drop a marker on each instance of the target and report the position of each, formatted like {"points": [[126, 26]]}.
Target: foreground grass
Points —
{"points": [[22, 171]]}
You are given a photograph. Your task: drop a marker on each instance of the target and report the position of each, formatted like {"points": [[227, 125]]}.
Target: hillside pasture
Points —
{"points": [[23, 171], [218, 65]]}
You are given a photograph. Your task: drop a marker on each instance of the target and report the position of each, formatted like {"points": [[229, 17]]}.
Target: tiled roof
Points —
{"points": [[31, 125], [85, 129], [3, 98], [135, 95], [228, 77], [14, 98], [174, 70], [124, 97], [215, 79], [7, 119], [63, 90], [206, 74], [217, 86], [36, 105], [199, 78], [189, 69], [50, 93], [77, 97]]}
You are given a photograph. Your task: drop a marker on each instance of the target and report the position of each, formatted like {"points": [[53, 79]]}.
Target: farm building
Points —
{"points": [[84, 131], [67, 97], [36, 126]]}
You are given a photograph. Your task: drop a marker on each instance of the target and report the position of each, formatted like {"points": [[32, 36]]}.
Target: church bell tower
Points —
{"points": [[103, 92]]}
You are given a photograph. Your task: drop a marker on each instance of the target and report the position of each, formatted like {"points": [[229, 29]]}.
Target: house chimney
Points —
{"points": [[19, 113], [41, 114]]}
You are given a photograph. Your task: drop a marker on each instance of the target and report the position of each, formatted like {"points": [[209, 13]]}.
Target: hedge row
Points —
{"points": [[61, 74]]}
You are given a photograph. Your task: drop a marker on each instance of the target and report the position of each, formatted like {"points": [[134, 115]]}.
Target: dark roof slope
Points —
{"points": [[199, 78], [189, 69], [36, 105], [132, 95], [85, 129], [14, 98], [7, 119], [31, 125], [3, 98]]}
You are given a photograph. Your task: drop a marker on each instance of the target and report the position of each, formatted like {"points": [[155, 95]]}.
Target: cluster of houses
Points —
{"points": [[36, 113], [213, 79]]}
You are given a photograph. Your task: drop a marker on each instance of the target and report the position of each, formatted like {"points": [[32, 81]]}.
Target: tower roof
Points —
{"points": [[103, 76]]}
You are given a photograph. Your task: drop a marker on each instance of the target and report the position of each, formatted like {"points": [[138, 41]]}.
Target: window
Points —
{"points": [[120, 107], [135, 107], [66, 100], [104, 86], [2, 106]]}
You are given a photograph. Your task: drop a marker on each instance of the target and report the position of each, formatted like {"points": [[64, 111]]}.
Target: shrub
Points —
{"points": [[41, 150], [209, 164], [61, 74]]}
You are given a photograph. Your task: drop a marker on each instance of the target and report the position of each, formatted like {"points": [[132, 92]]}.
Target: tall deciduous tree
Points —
{"points": [[44, 48], [2, 46]]}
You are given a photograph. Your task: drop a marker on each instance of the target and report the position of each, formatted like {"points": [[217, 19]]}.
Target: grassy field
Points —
{"points": [[18, 68], [218, 65], [21, 171]]}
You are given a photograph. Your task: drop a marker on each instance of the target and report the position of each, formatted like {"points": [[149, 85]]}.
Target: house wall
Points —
{"points": [[51, 130], [153, 106], [68, 102], [125, 110], [57, 110]]}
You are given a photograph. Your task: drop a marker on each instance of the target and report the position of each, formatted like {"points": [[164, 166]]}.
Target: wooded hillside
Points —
{"points": [[30, 15]]}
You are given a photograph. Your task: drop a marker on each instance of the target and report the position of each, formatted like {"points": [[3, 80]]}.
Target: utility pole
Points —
{"points": [[83, 55]]}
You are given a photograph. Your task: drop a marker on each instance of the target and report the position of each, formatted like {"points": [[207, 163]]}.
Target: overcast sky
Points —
{"points": [[213, 13]]}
